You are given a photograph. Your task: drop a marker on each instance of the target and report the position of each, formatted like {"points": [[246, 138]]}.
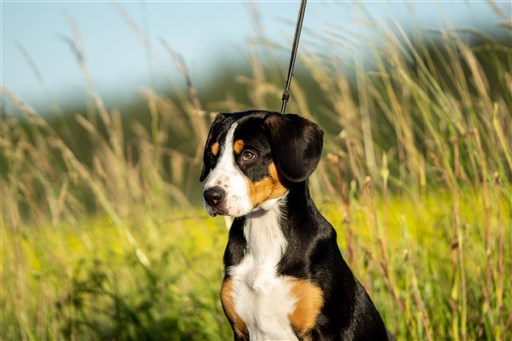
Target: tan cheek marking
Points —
{"points": [[266, 189], [215, 148], [307, 307], [238, 146], [226, 297]]}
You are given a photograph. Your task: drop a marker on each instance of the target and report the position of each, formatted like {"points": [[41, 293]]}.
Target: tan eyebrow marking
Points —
{"points": [[238, 146], [215, 148]]}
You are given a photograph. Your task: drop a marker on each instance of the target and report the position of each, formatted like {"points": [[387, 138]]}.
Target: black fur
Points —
{"points": [[296, 145]]}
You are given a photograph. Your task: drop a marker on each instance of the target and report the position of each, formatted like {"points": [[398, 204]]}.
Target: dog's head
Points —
{"points": [[254, 157]]}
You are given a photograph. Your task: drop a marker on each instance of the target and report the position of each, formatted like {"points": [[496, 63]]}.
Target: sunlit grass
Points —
{"points": [[103, 235], [101, 280], [161, 280]]}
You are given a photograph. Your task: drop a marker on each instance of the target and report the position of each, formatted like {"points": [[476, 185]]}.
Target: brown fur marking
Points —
{"points": [[308, 306], [215, 148], [238, 146], [267, 188], [229, 308]]}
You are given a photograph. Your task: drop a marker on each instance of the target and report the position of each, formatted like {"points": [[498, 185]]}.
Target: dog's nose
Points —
{"points": [[214, 196]]}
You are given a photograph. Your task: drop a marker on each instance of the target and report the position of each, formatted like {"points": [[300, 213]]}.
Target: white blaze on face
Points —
{"points": [[230, 178]]}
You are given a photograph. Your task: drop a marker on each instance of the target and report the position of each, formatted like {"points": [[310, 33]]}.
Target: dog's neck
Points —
{"points": [[299, 198], [272, 222], [277, 238], [262, 230]]}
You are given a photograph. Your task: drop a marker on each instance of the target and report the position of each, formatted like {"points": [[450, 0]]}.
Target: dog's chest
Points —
{"points": [[261, 297]]}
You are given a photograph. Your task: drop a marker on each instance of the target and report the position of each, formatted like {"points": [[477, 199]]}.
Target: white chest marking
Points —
{"points": [[262, 298]]}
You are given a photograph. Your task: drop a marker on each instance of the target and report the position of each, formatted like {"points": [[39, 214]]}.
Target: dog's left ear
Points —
{"points": [[296, 145]]}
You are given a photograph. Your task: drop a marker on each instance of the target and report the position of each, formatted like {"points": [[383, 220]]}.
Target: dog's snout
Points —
{"points": [[214, 196]]}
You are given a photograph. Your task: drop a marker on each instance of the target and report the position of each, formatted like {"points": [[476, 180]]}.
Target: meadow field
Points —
{"points": [[103, 236]]}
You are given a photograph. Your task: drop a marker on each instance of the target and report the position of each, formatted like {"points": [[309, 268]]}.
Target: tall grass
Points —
{"points": [[101, 240]]}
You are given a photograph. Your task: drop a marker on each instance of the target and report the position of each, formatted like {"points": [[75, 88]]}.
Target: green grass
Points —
{"points": [[99, 280], [155, 279], [103, 237]]}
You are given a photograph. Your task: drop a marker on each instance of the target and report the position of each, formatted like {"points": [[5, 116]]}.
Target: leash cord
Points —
{"points": [[298, 28]]}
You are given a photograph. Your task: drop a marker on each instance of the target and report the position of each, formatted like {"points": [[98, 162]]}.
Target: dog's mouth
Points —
{"points": [[214, 211]]}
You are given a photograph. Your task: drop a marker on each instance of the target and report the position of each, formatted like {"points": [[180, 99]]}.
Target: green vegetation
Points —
{"points": [[104, 238]]}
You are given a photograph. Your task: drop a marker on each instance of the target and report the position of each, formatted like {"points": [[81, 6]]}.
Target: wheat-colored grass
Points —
{"points": [[101, 239]]}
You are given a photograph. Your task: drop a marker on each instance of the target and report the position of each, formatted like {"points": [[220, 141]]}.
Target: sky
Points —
{"points": [[37, 61]]}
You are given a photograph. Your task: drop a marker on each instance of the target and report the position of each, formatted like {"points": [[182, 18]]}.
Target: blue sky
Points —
{"points": [[203, 32]]}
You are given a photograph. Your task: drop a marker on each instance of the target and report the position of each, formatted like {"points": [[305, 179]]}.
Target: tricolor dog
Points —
{"points": [[285, 278]]}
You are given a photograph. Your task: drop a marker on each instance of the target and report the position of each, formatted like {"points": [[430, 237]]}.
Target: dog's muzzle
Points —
{"points": [[214, 199]]}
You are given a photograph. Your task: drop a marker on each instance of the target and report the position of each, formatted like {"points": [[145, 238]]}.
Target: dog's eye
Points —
{"points": [[247, 155]]}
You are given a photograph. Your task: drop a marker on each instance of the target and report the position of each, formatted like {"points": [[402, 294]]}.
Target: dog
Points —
{"points": [[285, 278]]}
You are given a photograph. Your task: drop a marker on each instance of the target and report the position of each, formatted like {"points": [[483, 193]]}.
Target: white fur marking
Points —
{"points": [[261, 298], [231, 179]]}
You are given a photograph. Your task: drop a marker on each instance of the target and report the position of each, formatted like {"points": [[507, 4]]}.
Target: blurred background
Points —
{"points": [[105, 107], [124, 43]]}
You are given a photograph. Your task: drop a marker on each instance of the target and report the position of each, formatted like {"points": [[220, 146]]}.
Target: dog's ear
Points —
{"points": [[218, 125], [296, 145]]}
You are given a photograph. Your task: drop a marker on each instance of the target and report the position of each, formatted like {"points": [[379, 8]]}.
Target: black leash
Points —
{"points": [[298, 28]]}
